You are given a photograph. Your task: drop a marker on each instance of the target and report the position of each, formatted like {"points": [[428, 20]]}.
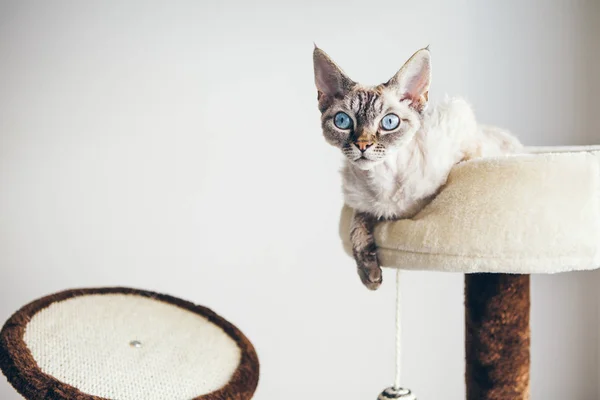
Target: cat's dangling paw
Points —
{"points": [[371, 276]]}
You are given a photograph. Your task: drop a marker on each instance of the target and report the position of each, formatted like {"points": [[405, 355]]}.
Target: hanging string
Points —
{"points": [[397, 381], [396, 391]]}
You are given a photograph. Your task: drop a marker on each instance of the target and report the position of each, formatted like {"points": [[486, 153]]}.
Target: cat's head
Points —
{"points": [[370, 123]]}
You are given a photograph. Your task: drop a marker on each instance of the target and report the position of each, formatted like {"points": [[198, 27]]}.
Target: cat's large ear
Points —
{"points": [[413, 79], [331, 81]]}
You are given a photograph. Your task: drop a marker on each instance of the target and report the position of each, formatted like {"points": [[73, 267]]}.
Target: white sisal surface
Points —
{"points": [[84, 342]]}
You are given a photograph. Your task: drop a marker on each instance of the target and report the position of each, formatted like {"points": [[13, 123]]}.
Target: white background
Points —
{"points": [[175, 146]]}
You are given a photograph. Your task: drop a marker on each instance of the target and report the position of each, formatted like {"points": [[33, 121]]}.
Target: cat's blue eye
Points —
{"points": [[390, 122], [342, 120]]}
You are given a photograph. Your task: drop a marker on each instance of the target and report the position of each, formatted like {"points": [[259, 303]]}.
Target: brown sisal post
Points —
{"points": [[497, 336]]}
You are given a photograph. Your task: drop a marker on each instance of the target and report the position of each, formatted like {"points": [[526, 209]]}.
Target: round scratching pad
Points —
{"points": [[125, 344]]}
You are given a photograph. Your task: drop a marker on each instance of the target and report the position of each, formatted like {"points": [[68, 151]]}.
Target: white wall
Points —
{"points": [[175, 146]]}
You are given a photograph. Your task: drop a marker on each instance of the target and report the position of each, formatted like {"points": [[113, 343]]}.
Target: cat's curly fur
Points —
{"points": [[393, 173]]}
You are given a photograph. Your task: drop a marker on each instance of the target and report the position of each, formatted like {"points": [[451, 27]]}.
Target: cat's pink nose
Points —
{"points": [[363, 146]]}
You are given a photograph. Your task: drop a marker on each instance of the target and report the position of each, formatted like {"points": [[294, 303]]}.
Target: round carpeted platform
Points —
{"points": [[536, 212], [126, 344]]}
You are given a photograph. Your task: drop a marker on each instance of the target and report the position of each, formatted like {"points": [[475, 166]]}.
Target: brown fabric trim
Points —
{"points": [[23, 373], [497, 333]]}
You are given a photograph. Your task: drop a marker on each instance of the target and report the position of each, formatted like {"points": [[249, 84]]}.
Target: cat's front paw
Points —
{"points": [[370, 274]]}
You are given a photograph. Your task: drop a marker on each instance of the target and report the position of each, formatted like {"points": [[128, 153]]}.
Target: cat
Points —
{"points": [[398, 151]]}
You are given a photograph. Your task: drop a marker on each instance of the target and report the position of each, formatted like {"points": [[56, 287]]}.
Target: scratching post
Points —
{"points": [[497, 336]]}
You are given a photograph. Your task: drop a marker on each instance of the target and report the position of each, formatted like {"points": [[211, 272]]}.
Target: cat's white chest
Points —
{"points": [[381, 191]]}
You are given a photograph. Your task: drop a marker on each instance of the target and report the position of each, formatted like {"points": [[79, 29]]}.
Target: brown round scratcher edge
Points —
{"points": [[21, 370]]}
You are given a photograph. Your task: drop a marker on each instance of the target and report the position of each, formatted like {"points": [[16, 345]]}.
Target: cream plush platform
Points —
{"points": [[126, 344], [536, 212]]}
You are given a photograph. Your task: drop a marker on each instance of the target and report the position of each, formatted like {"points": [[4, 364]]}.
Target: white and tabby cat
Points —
{"points": [[398, 152]]}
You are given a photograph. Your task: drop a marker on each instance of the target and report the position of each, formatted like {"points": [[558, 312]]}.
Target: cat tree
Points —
{"points": [[499, 220]]}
